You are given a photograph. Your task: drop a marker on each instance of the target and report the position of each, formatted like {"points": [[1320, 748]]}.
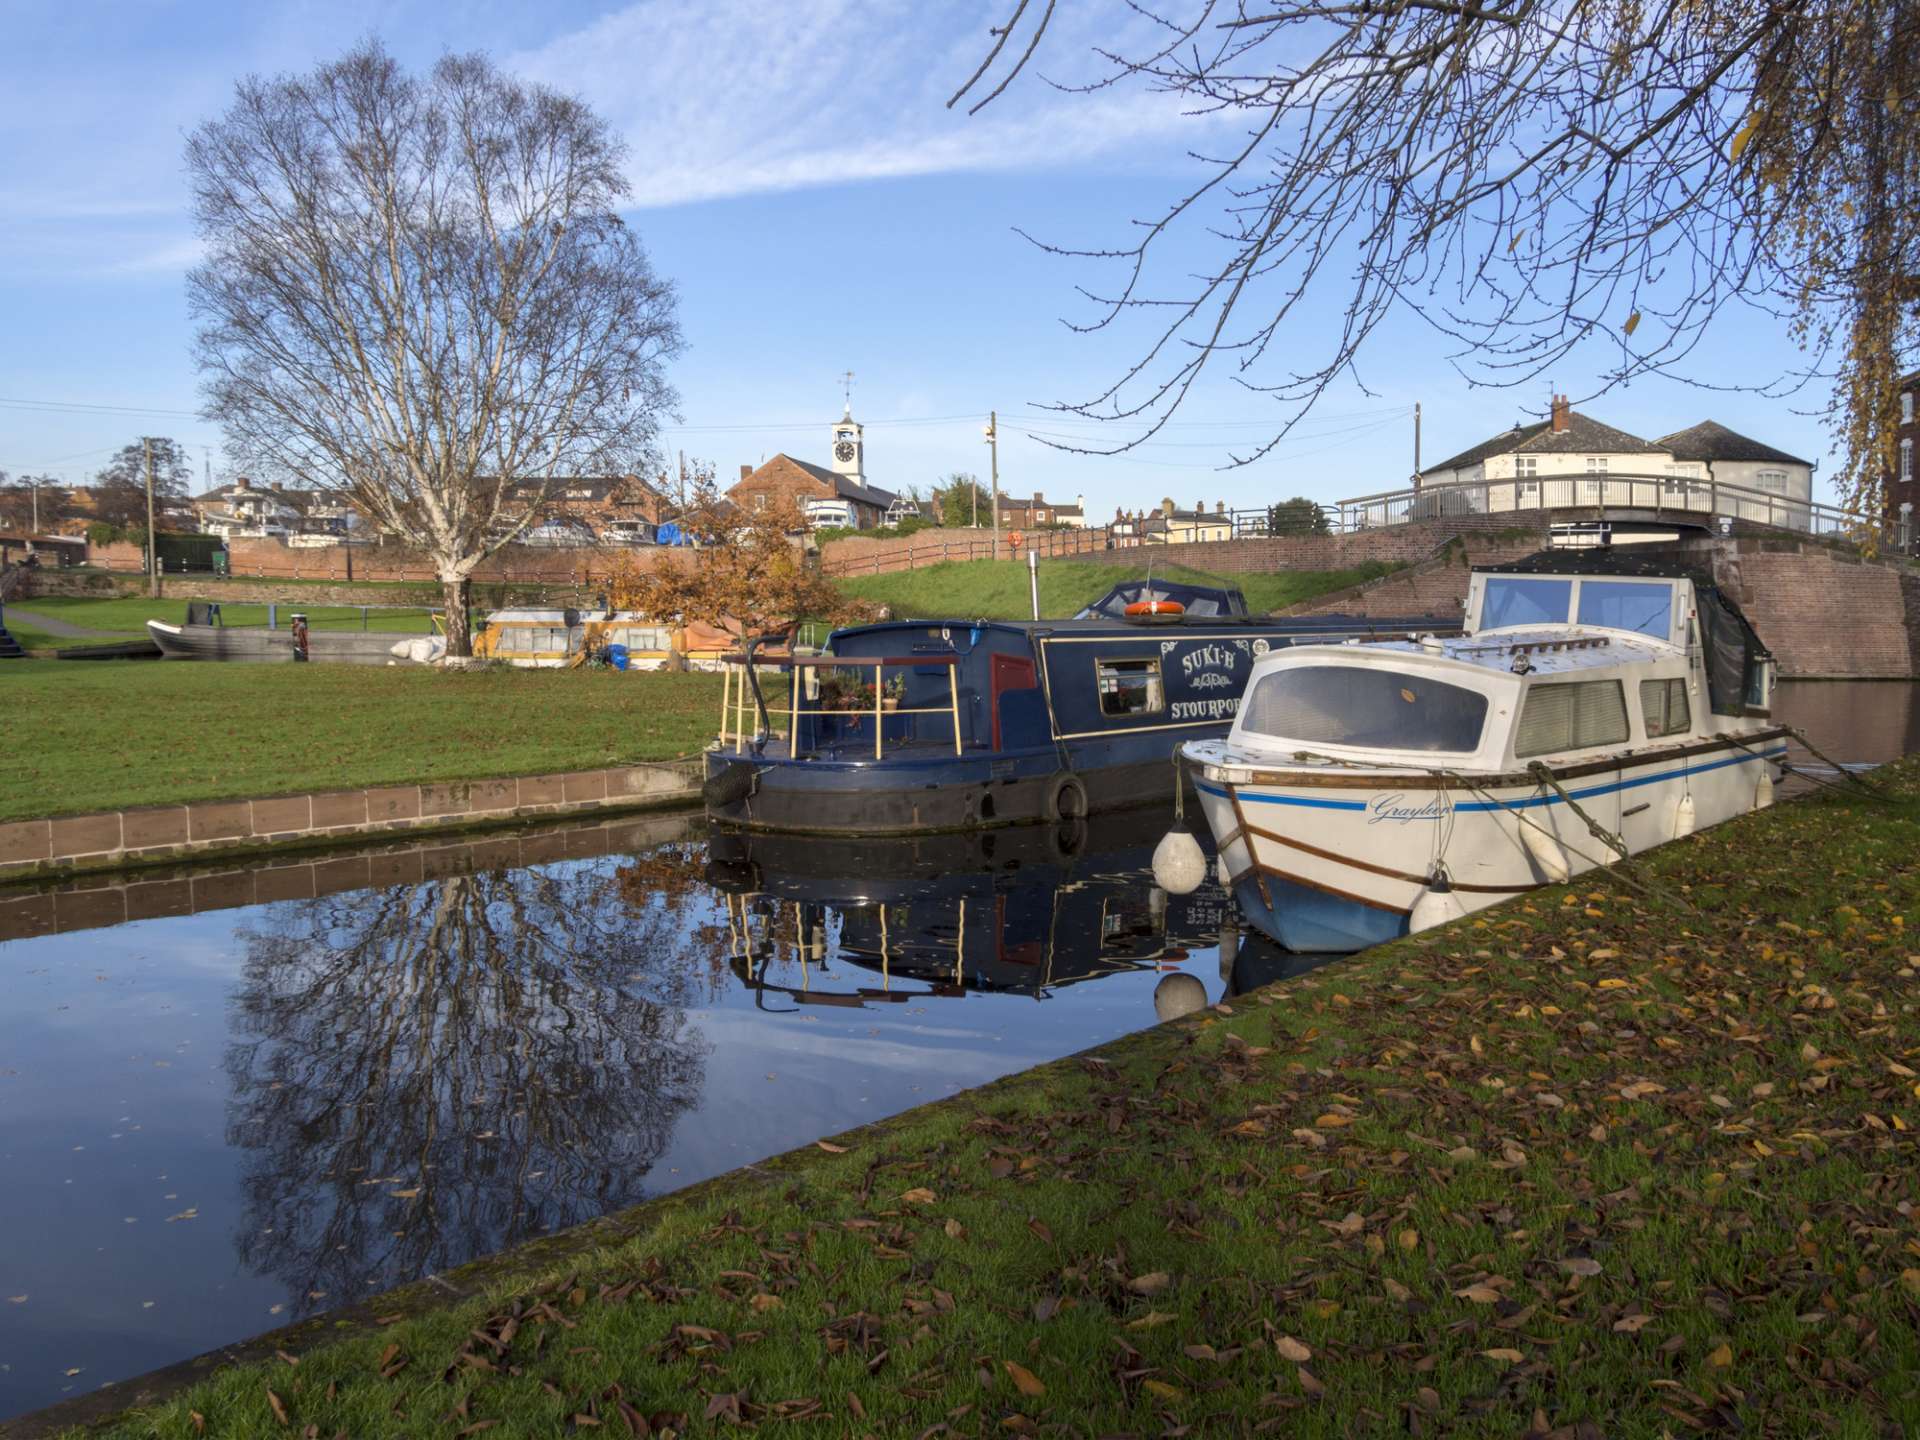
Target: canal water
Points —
{"points": [[233, 1098]]}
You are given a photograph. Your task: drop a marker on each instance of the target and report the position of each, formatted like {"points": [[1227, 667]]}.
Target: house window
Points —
{"points": [[1596, 471], [1526, 471], [1906, 459], [1663, 705], [1130, 687], [1596, 464], [1571, 717], [1771, 480], [1906, 407]]}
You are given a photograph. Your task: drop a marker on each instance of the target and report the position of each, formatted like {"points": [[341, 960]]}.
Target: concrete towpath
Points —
{"points": [[62, 629]]}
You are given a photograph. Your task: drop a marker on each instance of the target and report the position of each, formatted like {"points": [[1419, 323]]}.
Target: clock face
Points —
{"points": [[844, 450]]}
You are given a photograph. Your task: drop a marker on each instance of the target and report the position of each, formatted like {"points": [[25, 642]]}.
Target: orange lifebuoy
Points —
{"points": [[1014, 539], [1151, 608]]}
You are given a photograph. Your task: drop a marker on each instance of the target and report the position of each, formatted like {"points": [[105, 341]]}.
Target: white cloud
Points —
{"points": [[738, 97]]}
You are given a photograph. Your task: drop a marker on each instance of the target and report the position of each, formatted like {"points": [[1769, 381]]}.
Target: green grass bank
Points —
{"points": [[997, 589], [104, 735], [1589, 1164]]}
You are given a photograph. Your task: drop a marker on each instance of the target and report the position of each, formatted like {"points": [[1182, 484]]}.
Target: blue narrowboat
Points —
{"points": [[915, 725]]}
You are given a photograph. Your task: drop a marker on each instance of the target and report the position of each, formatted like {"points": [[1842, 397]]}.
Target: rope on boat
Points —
{"points": [[1874, 790], [1645, 887], [1541, 772]]}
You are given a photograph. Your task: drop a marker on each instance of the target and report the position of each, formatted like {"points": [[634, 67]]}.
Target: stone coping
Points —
{"points": [[162, 834], [94, 899]]}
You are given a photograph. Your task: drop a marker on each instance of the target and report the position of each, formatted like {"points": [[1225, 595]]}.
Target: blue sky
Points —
{"points": [[798, 176]]}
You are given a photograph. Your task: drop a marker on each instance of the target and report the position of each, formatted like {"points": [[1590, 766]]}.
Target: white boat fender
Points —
{"points": [[1685, 821], [1544, 848], [1178, 994], [1763, 788], [1229, 950], [1438, 904], [1222, 873], [1179, 864]]}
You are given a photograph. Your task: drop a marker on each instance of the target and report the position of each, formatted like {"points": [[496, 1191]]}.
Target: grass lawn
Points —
{"points": [[106, 734], [997, 589], [1590, 1164]]}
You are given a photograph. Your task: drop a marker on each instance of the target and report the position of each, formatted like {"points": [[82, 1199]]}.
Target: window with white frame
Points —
{"points": [[1775, 480], [1596, 475], [1679, 485], [1906, 407], [1906, 459], [1526, 471]]}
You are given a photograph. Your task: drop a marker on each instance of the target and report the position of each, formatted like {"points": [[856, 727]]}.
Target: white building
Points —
{"points": [[1570, 459]]}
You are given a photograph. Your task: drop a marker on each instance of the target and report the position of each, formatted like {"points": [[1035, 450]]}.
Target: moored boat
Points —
{"points": [[256, 644], [916, 725], [1593, 708]]}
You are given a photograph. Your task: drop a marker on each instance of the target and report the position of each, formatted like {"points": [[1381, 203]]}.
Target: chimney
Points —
{"points": [[1080, 503], [745, 471], [243, 483], [1560, 414]]}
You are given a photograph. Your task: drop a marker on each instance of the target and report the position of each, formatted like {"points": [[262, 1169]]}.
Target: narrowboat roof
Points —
{"points": [[1292, 625]]}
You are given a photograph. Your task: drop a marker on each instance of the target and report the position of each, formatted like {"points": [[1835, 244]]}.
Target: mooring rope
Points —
{"points": [[1541, 772]]}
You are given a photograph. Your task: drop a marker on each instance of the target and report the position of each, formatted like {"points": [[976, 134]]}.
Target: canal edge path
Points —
{"points": [[64, 846], [1587, 1162]]}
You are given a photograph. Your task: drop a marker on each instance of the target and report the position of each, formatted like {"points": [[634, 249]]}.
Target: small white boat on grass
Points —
{"points": [[1367, 790]]}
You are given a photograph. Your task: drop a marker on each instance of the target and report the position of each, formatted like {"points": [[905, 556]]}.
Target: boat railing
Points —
{"points": [[739, 709]]}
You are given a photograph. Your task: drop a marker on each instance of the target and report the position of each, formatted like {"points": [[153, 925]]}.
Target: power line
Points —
{"points": [[80, 407]]}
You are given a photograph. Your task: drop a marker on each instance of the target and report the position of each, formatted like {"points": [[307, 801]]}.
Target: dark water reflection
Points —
{"points": [[213, 1123], [228, 1100]]}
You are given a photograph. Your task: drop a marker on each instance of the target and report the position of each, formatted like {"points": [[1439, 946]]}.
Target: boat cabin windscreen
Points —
{"points": [[1644, 607], [1361, 707]]}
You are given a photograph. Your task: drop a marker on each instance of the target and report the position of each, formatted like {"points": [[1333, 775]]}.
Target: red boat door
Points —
{"points": [[1010, 672]]}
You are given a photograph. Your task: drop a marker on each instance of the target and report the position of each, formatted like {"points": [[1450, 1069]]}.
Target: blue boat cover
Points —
{"points": [[1203, 601]]}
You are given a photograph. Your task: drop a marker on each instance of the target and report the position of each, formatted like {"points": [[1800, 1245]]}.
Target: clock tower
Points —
{"points": [[849, 449]]}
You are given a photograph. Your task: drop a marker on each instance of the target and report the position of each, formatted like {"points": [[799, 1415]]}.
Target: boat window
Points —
{"points": [[1645, 606], [636, 638], [1130, 687], [1663, 705], [1359, 706], [1513, 600], [1572, 716]]}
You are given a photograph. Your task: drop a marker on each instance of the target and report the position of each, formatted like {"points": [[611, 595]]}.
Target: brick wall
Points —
{"points": [[516, 564], [1436, 585]]}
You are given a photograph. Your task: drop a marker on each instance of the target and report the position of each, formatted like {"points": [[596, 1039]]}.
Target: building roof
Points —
{"points": [[1710, 440], [1583, 436], [841, 485]]}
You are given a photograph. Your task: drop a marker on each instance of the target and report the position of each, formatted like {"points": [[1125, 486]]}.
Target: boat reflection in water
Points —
{"points": [[1027, 911]]}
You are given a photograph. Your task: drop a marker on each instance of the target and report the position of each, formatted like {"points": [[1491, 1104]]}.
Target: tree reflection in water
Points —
{"points": [[431, 1072]]}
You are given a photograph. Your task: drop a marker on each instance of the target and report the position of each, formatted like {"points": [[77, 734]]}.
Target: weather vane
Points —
{"points": [[846, 382]]}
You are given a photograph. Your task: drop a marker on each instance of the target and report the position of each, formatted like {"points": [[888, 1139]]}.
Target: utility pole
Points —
{"points": [[33, 483], [1416, 445], [153, 536], [993, 450]]}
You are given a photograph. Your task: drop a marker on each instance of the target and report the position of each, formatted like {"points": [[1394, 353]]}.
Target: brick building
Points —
{"points": [[1031, 514], [827, 495]]}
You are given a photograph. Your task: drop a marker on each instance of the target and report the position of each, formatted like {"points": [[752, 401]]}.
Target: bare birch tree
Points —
{"points": [[1524, 177], [418, 295]]}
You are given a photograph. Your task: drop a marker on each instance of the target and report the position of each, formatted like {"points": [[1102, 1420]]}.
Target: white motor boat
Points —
{"points": [[1369, 790]]}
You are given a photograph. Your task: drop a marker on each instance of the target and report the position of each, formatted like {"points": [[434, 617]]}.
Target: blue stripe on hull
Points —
{"points": [[1313, 922], [1468, 807]]}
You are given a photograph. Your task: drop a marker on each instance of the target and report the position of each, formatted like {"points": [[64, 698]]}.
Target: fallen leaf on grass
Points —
{"points": [[279, 1407], [1292, 1349], [1632, 1324], [1504, 1357], [1163, 1390], [919, 1195], [1024, 1379], [1150, 1284], [1720, 1357], [1395, 1290], [830, 1147], [764, 1302], [954, 1229], [1149, 1320], [1579, 1265], [1479, 1294]]}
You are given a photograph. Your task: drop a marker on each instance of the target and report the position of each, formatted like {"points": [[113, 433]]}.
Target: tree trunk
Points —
{"points": [[457, 591]]}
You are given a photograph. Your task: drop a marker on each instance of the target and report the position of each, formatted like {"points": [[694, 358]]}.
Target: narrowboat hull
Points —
{"points": [[1331, 862]]}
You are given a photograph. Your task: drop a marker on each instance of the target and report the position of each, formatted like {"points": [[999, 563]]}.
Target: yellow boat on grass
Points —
{"points": [[562, 639]]}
